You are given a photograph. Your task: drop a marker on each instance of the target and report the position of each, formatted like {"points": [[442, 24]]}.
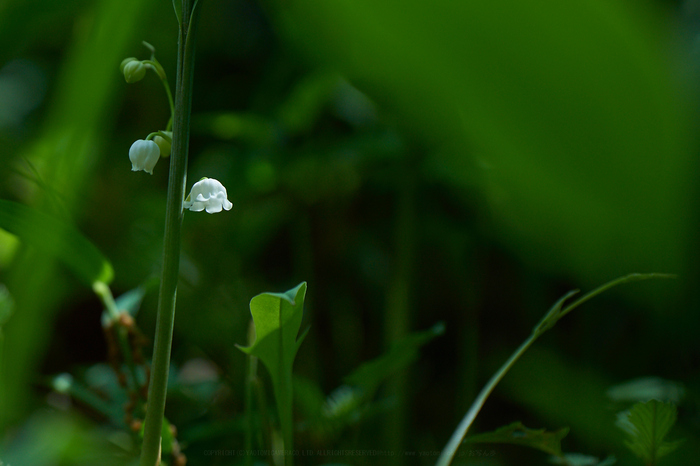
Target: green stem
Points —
{"points": [[158, 68], [397, 321], [150, 454], [161, 134], [282, 388], [105, 294], [547, 322], [250, 381]]}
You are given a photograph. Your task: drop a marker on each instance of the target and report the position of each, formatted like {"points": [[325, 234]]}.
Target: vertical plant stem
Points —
{"points": [[150, 454], [398, 319], [284, 399], [249, 383]]}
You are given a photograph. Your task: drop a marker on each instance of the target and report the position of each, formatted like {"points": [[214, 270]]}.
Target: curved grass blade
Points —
{"points": [[548, 321]]}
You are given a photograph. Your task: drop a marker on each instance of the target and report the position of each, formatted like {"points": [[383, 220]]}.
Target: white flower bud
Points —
{"points": [[134, 71], [144, 155], [208, 194]]}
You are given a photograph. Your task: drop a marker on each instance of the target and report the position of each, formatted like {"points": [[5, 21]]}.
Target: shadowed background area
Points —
{"points": [[415, 163]]}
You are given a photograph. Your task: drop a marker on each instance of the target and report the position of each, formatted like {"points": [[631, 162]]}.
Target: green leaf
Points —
{"points": [[517, 434], [58, 239], [370, 374], [277, 319], [647, 424]]}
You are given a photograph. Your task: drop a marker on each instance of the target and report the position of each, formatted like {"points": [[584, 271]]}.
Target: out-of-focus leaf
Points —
{"points": [[131, 300], [53, 437], [166, 438], [647, 425], [370, 374], [57, 239], [517, 434], [647, 388], [77, 123], [566, 115], [308, 396], [7, 306], [113, 410]]}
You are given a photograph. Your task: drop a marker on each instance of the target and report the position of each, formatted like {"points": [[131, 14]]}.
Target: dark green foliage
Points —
{"points": [[647, 425], [517, 434], [457, 162]]}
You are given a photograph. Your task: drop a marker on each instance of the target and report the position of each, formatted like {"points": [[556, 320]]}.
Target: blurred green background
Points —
{"points": [[414, 162]]}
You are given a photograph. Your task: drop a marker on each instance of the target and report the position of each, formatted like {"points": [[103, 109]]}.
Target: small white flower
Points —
{"points": [[208, 194], [144, 155]]}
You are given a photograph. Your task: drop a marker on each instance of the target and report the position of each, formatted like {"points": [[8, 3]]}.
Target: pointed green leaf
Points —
{"points": [[647, 424], [517, 434], [277, 319], [370, 374], [58, 239]]}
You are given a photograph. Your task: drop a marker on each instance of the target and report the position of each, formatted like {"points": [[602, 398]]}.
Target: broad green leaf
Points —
{"points": [[370, 374], [517, 434], [647, 424], [277, 318], [57, 239]]}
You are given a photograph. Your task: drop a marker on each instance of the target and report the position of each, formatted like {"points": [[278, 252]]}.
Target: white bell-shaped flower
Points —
{"points": [[144, 155], [208, 194]]}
